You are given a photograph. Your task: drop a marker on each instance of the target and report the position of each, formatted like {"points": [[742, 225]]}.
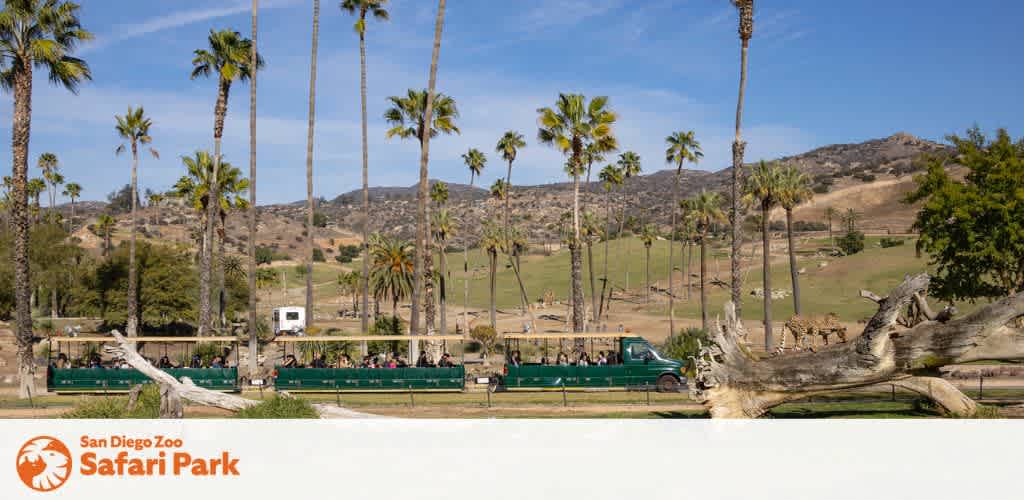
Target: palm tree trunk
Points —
{"points": [[793, 275], [443, 292], [465, 273], [206, 258], [253, 334], [20, 132], [493, 261], [671, 255], [607, 240], [219, 266], [689, 260], [647, 276], [309, 165], [738, 147], [364, 320], [578, 319], [703, 283], [133, 308], [71, 225], [422, 252], [593, 284], [766, 277]]}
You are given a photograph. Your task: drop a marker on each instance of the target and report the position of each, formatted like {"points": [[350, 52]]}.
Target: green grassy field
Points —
{"points": [[833, 288]]}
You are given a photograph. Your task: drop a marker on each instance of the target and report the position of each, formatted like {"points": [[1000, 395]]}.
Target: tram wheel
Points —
{"points": [[668, 383]]}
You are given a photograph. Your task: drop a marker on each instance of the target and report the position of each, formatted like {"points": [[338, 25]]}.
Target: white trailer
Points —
{"points": [[289, 320]]}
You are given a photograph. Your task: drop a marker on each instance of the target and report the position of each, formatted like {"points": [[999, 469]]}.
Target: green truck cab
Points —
{"points": [[635, 364]]}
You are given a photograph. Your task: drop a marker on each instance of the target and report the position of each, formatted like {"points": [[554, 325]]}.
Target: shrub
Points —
{"points": [[851, 243], [820, 188], [347, 252], [280, 407], [319, 219], [318, 255], [684, 345], [891, 242], [485, 335], [146, 406]]}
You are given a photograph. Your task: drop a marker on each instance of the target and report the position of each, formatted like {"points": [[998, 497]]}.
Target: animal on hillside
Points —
{"points": [[805, 328]]}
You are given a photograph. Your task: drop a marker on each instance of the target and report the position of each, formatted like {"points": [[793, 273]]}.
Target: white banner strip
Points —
{"points": [[512, 459]]}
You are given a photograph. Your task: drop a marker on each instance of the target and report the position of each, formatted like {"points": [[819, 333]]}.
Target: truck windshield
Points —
{"points": [[644, 351]]}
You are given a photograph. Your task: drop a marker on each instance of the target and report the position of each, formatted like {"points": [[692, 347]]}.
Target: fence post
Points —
{"points": [[981, 386], [565, 398], [412, 401]]}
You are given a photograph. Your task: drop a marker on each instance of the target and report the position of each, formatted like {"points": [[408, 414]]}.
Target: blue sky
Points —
{"points": [[820, 73]]}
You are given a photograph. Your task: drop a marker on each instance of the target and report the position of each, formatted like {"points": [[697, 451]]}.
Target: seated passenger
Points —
{"points": [[423, 360], [562, 360], [344, 361], [217, 362], [402, 363], [447, 361], [164, 362], [62, 361], [290, 362], [196, 362], [318, 361], [514, 359], [584, 359], [601, 359]]}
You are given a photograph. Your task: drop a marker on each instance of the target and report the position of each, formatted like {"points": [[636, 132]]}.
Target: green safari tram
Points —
{"points": [[76, 366], [622, 362], [321, 377]]}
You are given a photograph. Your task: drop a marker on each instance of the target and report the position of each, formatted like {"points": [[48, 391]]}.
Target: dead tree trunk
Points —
{"points": [[732, 383], [172, 392]]}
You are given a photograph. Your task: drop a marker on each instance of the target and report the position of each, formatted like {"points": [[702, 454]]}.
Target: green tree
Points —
{"points": [[376, 9], [682, 147], [570, 126], [762, 187], [50, 166], [704, 210], [830, 214], [229, 58], [745, 8], [105, 227], [35, 189], [409, 117], [392, 270], [72, 190], [973, 229], [166, 289], [133, 127], [350, 283], [794, 189], [33, 34], [475, 161]]}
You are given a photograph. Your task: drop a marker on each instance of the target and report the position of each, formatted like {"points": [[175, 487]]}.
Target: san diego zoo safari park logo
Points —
{"points": [[44, 463]]}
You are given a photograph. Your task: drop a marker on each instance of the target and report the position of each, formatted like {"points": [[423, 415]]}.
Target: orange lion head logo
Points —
{"points": [[44, 463]]}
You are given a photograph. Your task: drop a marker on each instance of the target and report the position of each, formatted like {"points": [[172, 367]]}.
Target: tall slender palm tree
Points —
{"points": [[475, 160], [35, 188], [795, 188], [361, 8], [50, 166], [682, 147], [570, 126], [33, 34], [595, 152], [830, 214], [252, 274], [72, 190], [629, 164], [704, 210], [491, 242], [439, 195], [762, 187], [229, 57], [508, 147], [310, 209], [408, 116], [647, 235], [746, 31], [611, 177], [133, 127]]}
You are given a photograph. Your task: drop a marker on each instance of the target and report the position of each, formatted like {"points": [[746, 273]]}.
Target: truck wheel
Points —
{"points": [[668, 383]]}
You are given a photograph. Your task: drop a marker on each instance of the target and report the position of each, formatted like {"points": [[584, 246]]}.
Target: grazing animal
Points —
{"points": [[805, 328]]}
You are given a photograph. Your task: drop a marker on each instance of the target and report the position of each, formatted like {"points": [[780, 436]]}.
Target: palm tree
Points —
{"points": [[682, 147], [830, 214], [508, 146], [610, 177], [762, 187], [795, 188], [850, 219], [408, 117], [376, 9], [230, 58], [72, 190], [392, 269], [443, 226], [50, 166], [594, 152], [310, 237], [252, 275], [629, 165], [33, 34], [746, 31], [35, 189], [570, 126], [105, 226], [591, 233], [647, 235], [134, 128], [475, 160], [491, 241], [351, 283], [704, 210]]}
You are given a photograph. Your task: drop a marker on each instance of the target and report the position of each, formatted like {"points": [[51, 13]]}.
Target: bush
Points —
{"points": [[346, 253], [820, 188], [266, 255], [890, 242], [319, 219], [485, 335], [851, 243], [280, 407], [318, 255], [388, 325], [803, 225], [146, 406]]}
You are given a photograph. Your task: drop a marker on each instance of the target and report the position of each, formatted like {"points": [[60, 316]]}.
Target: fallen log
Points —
{"points": [[731, 382], [172, 391]]}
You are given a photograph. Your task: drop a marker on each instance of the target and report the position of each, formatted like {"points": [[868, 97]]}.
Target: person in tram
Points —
{"points": [[318, 361], [602, 359], [584, 359], [164, 362], [344, 361], [562, 359], [423, 361], [514, 359], [290, 362], [402, 363], [62, 361], [196, 362], [217, 362]]}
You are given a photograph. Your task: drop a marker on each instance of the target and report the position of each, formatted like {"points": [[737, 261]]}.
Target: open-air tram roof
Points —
{"points": [[368, 338], [543, 336], [142, 339]]}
